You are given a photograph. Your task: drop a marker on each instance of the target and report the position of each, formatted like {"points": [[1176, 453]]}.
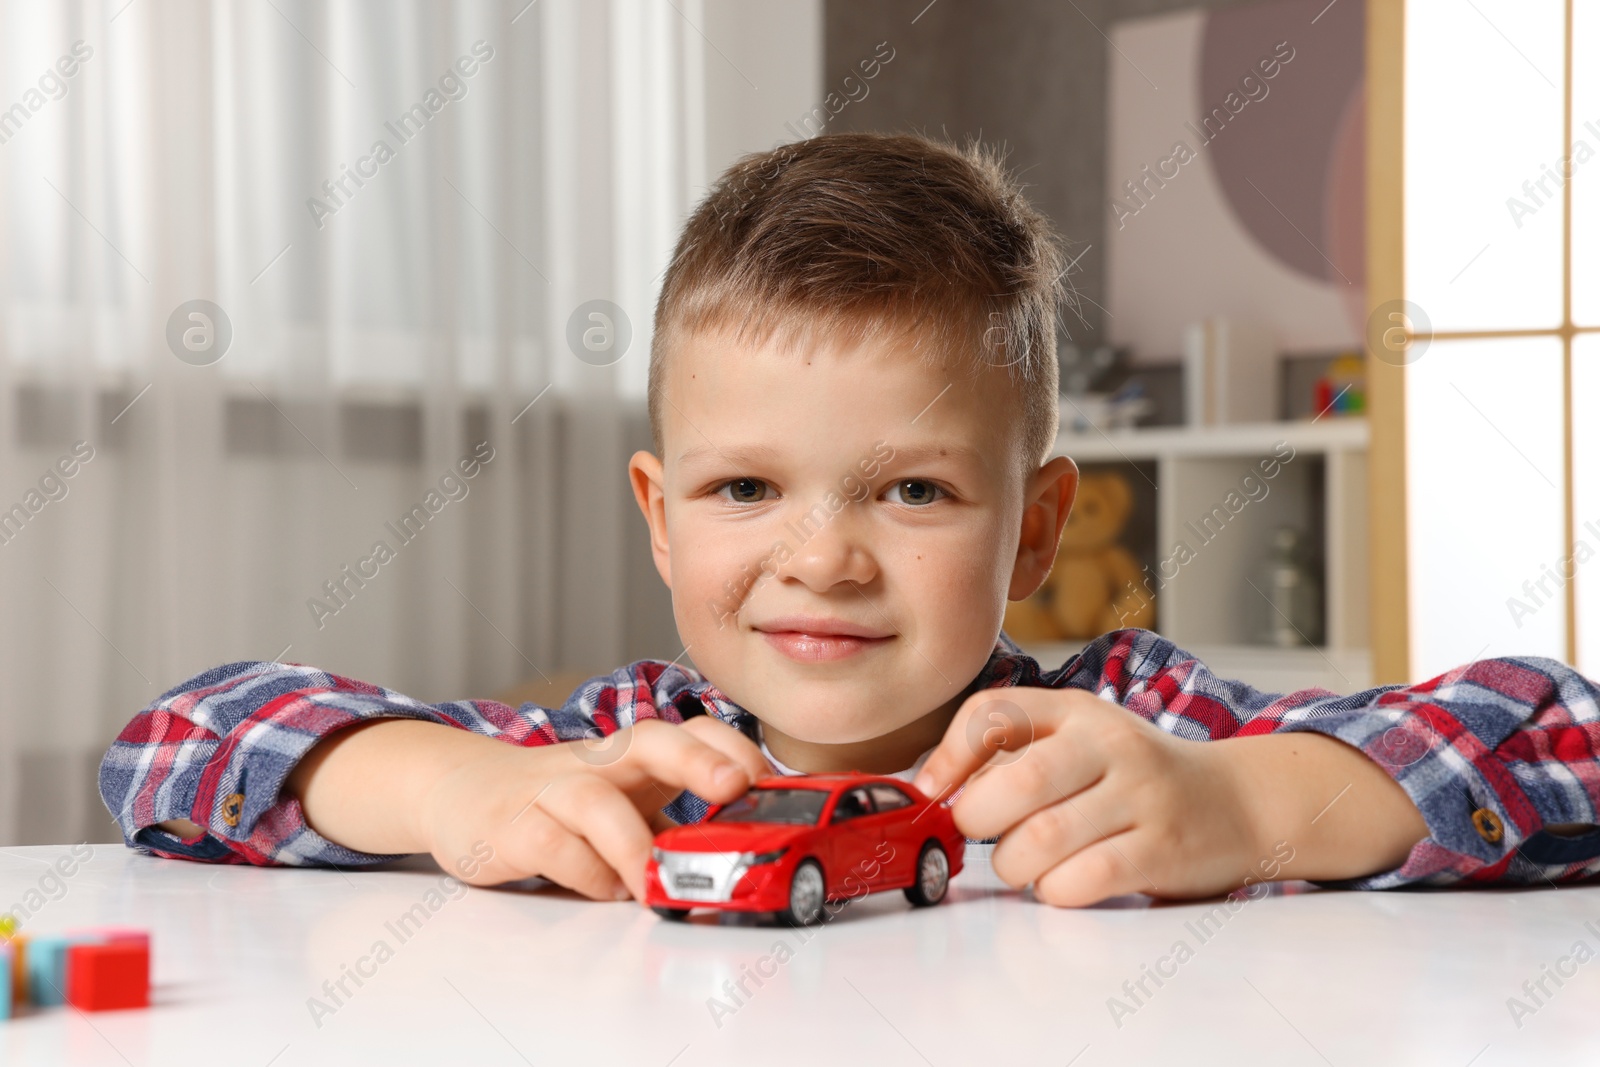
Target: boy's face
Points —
{"points": [[841, 529]]}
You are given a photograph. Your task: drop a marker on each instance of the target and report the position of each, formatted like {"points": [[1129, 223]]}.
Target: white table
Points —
{"points": [[988, 977]]}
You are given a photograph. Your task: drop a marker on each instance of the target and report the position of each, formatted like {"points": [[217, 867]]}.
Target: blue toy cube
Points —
{"points": [[47, 966], [5, 979]]}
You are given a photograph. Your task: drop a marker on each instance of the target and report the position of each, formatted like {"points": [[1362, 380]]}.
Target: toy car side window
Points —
{"points": [[852, 805], [888, 798]]}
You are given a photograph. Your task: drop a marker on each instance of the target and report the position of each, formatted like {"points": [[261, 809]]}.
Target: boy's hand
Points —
{"points": [[582, 814], [1090, 801]]}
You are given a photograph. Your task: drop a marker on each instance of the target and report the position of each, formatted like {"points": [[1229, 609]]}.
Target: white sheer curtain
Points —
{"points": [[382, 326]]}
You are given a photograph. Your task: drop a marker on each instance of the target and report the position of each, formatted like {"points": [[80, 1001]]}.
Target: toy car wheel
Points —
{"points": [[677, 915], [933, 876], [805, 895]]}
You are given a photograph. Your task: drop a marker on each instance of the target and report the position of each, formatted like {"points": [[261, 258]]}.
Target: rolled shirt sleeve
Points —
{"points": [[1491, 753], [217, 749]]}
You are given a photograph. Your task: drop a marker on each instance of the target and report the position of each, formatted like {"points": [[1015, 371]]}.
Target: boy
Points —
{"points": [[853, 395]]}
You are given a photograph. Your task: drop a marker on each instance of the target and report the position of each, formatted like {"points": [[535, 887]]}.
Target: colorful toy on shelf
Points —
{"points": [[792, 845], [94, 969], [1342, 389]]}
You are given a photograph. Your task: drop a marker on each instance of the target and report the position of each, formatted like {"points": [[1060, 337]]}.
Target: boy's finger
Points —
{"points": [[731, 743], [1043, 838], [538, 844], [988, 721], [1099, 872], [1063, 766], [599, 813], [672, 756]]}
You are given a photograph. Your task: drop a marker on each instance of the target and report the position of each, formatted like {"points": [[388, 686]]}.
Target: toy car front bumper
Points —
{"points": [[760, 888]]}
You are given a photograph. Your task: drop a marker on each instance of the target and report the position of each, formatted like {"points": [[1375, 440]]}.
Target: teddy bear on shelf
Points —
{"points": [[1096, 585]]}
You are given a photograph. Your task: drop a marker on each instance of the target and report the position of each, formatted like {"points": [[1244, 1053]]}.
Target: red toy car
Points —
{"points": [[792, 844]]}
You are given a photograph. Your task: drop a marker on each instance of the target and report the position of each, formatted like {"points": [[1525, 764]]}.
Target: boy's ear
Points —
{"points": [[1046, 502], [645, 473]]}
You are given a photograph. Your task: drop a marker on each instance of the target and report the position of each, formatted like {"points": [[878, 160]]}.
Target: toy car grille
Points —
{"points": [[707, 876]]}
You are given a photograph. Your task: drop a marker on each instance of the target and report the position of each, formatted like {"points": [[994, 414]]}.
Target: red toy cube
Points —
{"points": [[109, 976]]}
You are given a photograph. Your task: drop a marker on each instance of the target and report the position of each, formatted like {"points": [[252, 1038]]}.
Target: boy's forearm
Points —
{"points": [[364, 786], [360, 787], [1340, 812]]}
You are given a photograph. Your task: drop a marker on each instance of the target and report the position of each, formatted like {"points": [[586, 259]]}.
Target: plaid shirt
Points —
{"points": [[1490, 753]]}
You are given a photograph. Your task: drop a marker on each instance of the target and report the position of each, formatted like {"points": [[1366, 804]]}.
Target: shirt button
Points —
{"points": [[232, 806], [1488, 825]]}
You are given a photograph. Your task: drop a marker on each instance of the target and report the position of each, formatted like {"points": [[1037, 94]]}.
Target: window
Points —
{"points": [[794, 807], [1501, 193], [852, 805], [888, 798]]}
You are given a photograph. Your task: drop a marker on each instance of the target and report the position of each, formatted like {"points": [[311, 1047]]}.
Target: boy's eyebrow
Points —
{"points": [[738, 456]]}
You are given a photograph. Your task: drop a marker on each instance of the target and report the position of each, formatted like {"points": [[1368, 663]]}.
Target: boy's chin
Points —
{"points": [[833, 728]]}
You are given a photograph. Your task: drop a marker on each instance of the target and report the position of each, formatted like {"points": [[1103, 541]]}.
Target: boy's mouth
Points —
{"points": [[812, 639]]}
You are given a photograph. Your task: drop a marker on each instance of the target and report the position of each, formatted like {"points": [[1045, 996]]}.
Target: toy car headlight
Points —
{"points": [[756, 859]]}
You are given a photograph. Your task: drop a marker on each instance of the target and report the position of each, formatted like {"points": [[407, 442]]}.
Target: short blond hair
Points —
{"points": [[864, 236]]}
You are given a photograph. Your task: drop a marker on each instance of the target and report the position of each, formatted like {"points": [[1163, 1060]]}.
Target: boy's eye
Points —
{"points": [[915, 492], [745, 490]]}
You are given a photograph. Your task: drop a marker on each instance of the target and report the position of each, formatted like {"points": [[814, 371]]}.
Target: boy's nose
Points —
{"points": [[831, 555]]}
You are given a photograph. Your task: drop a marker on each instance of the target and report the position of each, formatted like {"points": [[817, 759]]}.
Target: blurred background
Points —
{"points": [[324, 328]]}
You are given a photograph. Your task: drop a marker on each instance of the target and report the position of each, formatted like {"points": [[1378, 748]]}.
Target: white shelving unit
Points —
{"points": [[1207, 607]]}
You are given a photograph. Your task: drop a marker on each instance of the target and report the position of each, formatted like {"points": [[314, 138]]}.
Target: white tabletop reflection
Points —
{"points": [[400, 965]]}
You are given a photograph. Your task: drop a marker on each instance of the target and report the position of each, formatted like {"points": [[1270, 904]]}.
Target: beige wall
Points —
{"points": [[1029, 75]]}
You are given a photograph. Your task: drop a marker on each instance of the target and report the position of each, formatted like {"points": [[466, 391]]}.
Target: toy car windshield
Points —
{"points": [[796, 807]]}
